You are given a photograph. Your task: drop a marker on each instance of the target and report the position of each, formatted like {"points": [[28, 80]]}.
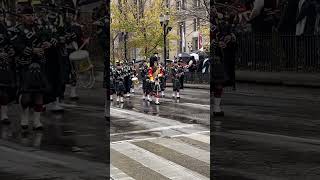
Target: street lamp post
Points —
{"points": [[190, 47], [164, 21]]}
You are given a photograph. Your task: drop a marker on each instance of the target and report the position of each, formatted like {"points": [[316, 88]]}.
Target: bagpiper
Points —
{"points": [[224, 41], [177, 72], [144, 76], [127, 79], [30, 47], [154, 73], [75, 35], [162, 79], [7, 70], [112, 82], [133, 75], [119, 82]]}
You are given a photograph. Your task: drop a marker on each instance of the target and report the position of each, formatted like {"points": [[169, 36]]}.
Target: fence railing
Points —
{"points": [[274, 52], [194, 78]]}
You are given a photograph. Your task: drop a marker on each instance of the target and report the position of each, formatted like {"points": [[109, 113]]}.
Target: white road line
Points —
{"points": [[151, 138], [192, 134], [154, 129], [201, 138], [166, 168], [140, 117], [117, 174], [184, 148], [133, 140]]}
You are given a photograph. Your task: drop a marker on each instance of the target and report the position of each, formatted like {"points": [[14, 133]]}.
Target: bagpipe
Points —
{"points": [[223, 11]]}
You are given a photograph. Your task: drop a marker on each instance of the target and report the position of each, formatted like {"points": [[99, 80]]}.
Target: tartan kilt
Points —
{"points": [[33, 82], [176, 84], [223, 68], [119, 87], [11, 92], [162, 84], [150, 86], [7, 79], [112, 85], [144, 85]]}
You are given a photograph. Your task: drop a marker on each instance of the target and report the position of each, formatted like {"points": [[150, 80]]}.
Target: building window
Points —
{"points": [[196, 3], [184, 5], [198, 24], [195, 43], [178, 5], [167, 3]]}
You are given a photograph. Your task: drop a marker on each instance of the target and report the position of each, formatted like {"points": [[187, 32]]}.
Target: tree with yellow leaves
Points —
{"points": [[140, 19]]}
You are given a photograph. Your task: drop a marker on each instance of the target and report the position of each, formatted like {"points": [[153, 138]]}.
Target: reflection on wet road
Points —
{"points": [[170, 141], [72, 146], [268, 133]]}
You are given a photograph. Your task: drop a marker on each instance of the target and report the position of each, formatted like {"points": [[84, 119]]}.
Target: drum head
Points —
{"points": [[79, 55]]}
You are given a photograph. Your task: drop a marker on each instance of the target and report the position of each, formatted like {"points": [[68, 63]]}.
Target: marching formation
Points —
{"points": [[153, 76], [35, 44]]}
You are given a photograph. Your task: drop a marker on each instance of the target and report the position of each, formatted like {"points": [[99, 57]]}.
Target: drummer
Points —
{"points": [[75, 37]]}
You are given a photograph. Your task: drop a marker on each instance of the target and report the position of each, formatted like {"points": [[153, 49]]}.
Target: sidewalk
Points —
{"points": [[280, 78], [310, 80]]}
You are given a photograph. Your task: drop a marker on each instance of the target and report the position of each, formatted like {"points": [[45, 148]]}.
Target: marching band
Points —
{"points": [[152, 76], [35, 65]]}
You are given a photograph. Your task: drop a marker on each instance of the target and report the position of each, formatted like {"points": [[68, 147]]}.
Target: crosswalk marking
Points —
{"points": [[157, 125], [198, 137], [184, 149], [169, 168], [141, 117], [154, 129], [117, 174]]}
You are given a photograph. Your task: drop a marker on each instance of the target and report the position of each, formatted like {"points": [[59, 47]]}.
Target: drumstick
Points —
{"points": [[85, 42]]}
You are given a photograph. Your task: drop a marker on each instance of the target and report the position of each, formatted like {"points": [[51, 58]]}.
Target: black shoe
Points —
{"points": [[5, 122], [24, 127], [218, 114], [40, 128]]}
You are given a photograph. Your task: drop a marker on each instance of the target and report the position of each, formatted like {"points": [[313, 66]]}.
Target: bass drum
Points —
{"points": [[82, 65]]}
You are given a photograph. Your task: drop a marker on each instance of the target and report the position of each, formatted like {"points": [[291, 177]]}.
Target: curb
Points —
{"points": [[307, 80], [193, 86], [297, 80]]}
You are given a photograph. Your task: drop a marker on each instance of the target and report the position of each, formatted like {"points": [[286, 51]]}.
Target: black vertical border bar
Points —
{"points": [[211, 58], [106, 80]]}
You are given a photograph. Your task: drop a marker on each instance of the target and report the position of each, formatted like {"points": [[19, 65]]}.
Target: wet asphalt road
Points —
{"points": [[169, 141], [268, 133], [72, 146]]}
